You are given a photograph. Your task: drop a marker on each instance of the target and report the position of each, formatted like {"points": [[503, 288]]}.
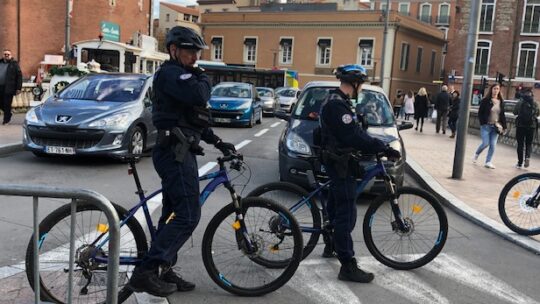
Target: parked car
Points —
{"points": [[296, 141], [287, 98], [235, 103], [268, 97], [99, 114]]}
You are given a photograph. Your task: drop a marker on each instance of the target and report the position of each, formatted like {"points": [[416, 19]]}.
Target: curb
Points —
{"points": [[11, 148], [449, 200]]}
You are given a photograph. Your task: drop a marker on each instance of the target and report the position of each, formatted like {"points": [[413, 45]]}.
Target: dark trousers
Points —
{"points": [[452, 123], [180, 184], [442, 120], [524, 136], [342, 213], [6, 100]]}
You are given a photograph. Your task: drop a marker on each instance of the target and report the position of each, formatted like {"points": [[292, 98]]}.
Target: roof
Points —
{"points": [[212, 2], [181, 9]]}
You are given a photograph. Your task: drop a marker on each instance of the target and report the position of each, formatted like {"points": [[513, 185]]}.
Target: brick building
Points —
{"points": [[41, 27], [171, 15]]}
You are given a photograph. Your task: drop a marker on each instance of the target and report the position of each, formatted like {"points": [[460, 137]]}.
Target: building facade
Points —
{"points": [[41, 26], [293, 40], [171, 15]]}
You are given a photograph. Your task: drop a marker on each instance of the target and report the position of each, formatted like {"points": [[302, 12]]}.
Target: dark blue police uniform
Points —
{"points": [[340, 131]]}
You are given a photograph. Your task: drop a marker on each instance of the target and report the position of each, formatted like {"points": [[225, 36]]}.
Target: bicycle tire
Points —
{"points": [[54, 232], [308, 215], [514, 212], [228, 281], [415, 205]]}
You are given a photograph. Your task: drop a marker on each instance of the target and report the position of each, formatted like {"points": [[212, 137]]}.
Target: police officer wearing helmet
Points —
{"points": [[180, 93], [340, 135]]}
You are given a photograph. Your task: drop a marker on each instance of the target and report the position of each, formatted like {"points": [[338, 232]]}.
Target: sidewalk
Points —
{"points": [[11, 135], [430, 158]]}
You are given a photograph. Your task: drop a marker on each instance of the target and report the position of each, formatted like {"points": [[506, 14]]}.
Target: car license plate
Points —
{"points": [[59, 150], [223, 120]]}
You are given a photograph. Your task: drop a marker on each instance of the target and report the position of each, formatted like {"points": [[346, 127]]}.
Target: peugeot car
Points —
{"points": [[99, 114], [296, 141], [235, 103]]}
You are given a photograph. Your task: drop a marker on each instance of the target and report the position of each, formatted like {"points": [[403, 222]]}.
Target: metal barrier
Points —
{"points": [[93, 197]]}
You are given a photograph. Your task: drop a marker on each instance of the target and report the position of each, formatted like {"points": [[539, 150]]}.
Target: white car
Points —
{"points": [[287, 98]]}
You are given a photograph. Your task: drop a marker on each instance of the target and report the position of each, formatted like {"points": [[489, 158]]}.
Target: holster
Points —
{"points": [[340, 162], [182, 144]]}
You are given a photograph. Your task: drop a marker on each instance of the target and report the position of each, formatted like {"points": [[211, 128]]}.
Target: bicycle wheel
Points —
{"points": [[517, 212], [307, 214], [425, 238], [276, 236], [89, 275]]}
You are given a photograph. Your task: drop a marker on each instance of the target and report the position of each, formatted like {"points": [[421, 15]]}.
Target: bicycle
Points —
{"points": [[518, 204], [391, 220], [239, 247]]}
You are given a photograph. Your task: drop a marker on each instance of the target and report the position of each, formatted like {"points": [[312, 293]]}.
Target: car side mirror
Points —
{"points": [[282, 115], [257, 98], [405, 125]]}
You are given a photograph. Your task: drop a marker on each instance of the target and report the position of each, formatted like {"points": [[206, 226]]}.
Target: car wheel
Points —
{"points": [[260, 117], [137, 141], [251, 120]]}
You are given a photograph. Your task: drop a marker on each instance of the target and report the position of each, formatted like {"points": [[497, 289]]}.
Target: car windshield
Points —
{"points": [[105, 88], [263, 92], [287, 93], [232, 90]]}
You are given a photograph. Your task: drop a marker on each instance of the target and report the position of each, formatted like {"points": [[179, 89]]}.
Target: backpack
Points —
{"points": [[526, 116]]}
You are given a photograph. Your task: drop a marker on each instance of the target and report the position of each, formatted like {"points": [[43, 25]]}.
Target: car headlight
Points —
{"points": [[120, 120], [296, 144], [245, 105], [31, 116]]}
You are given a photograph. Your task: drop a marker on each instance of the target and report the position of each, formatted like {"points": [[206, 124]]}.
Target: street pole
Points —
{"points": [[466, 89], [151, 22], [67, 46], [385, 33]]}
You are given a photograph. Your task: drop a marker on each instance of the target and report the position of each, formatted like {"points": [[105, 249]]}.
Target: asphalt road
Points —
{"points": [[476, 266]]}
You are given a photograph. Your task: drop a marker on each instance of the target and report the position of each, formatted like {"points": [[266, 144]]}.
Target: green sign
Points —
{"points": [[110, 31]]}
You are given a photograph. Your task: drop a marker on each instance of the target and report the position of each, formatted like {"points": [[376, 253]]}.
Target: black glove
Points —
{"points": [[392, 154], [225, 147], [197, 71]]}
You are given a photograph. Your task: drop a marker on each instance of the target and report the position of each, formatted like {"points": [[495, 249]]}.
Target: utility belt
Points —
{"points": [[182, 144], [343, 162]]}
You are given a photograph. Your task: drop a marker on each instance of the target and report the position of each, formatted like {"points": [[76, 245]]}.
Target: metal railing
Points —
{"points": [[71, 193]]}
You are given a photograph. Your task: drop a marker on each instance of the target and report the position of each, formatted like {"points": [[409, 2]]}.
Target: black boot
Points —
{"points": [[181, 285], [149, 282], [350, 272], [328, 251]]}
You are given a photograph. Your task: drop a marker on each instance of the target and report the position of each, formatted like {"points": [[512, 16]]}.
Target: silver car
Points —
{"points": [[268, 97], [287, 98], [99, 114]]}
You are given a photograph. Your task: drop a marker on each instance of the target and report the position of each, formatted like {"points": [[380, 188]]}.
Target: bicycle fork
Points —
{"points": [[399, 224]]}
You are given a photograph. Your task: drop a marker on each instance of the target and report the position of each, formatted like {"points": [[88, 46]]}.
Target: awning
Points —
{"points": [[217, 41], [285, 41], [324, 43], [250, 41], [365, 43]]}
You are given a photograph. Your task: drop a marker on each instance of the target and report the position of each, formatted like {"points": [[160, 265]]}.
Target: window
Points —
{"points": [[195, 19], [482, 58], [404, 62], [250, 50], [527, 59], [404, 8], [186, 17], [486, 16], [419, 59], [285, 50], [324, 51], [532, 17], [425, 13], [168, 17], [383, 6], [444, 14], [432, 63], [167, 30], [365, 52], [112, 2], [217, 48]]}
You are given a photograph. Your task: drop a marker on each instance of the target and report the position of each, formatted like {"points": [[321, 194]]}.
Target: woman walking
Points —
{"points": [[453, 113], [408, 102], [421, 106], [492, 123]]}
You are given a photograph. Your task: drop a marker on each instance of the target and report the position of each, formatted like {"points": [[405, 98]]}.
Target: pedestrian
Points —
{"points": [[10, 83], [179, 113], [526, 122], [341, 133], [421, 106], [441, 104], [492, 123], [453, 112], [398, 103], [408, 104]]}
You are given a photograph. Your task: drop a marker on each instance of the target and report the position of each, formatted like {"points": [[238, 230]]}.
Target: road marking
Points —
{"points": [[275, 124], [207, 167], [242, 144], [261, 132]]}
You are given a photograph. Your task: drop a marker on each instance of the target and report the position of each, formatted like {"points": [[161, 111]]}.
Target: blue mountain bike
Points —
{"points": [[404, 228], [519, 203], [251, 247]]}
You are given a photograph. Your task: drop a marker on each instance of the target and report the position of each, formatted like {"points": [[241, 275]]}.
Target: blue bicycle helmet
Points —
{"points": [[351, 73]]}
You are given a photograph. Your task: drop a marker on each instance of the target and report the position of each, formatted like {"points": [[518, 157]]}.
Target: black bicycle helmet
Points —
{"points": [[185, 38], [351, 73]]}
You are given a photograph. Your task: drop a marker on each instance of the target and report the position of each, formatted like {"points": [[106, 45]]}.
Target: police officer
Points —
{"points": [[341, 135], [179, 113]]}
